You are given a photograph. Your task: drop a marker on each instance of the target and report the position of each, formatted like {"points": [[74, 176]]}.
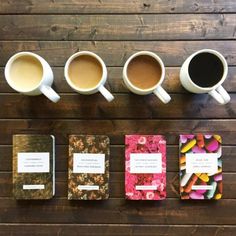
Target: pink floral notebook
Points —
{"points": [[145, 167]]}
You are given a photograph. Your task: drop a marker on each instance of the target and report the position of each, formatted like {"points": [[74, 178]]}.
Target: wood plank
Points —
{"points": [[116, 129], [118, 27], [115, 53], [116, 6], [117, 158], [117, 185], [119, 211], [114, 230], [115, 83], [125, 106]]}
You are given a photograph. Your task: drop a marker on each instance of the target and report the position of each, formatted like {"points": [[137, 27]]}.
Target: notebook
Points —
{"points": [[33, 166], [88, 167], [200, 164], [145, 167]]}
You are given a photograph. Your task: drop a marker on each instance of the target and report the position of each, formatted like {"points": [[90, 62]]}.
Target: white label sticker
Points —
{"points": [[33, 186], [33, 162], [201, 163], [146, 163], [146, 187], [88, 187], [91, 163], [202, 187]]}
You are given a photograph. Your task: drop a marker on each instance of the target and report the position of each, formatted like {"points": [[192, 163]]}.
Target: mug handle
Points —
{"points": [[220, 95], [162, 94], [50, 93], [109, 97]]}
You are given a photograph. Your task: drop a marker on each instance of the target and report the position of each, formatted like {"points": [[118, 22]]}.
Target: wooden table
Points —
{"points": [[116, 29]]}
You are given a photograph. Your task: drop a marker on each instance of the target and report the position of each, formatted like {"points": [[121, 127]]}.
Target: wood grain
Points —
{"points": [[118, 128], [115, 229], [119, 211], [118, 27], [125, 106], [173, 53], [116, 6]]}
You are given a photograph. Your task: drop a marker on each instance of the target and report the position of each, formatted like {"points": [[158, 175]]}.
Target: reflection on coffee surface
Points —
{"points": [[85, 72], [144, 71], [206, 69], [26, 73]]}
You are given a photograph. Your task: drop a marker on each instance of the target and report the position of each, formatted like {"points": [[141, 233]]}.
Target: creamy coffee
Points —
{"points": [[85, 72], [144, 71], [26, 73]]}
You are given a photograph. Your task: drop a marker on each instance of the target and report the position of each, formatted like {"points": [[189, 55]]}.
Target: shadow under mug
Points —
{"points": [[43, 87], [99, 87], [216, 91], [156, 89]]}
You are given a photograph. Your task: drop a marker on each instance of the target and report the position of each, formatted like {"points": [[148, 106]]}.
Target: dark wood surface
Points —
{"points": [[116, 29]]}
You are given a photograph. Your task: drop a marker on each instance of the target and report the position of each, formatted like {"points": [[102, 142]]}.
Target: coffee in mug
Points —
{"points": [[143, 73], [204, 72], [206, 69], [28, 73], [86, 73]]}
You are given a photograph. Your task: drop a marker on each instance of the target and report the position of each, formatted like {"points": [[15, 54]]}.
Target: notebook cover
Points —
{"points": [[88, 167], [33, 176], [200, 163], [145, 175]]}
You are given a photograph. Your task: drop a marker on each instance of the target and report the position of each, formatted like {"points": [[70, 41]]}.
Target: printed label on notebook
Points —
{"points": [[202, 187], [145, 163], [88, 187], [89, 163], [201, 163], [33, 162], [33, 186], [146, 187]]}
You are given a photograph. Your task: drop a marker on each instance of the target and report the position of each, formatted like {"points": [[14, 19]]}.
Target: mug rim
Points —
{"points": [[8, 67], [147, 53], [224, 63], [78, 54]]}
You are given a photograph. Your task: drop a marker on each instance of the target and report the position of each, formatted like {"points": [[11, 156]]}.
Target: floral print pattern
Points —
{"points": [[145, 144], [88, 144]]}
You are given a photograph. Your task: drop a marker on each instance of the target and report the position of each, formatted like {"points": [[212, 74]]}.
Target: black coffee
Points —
{"points": [[206, 69]]}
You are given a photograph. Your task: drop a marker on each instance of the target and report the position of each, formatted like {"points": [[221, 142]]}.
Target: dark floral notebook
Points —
{"points": [[88, 167], [33, 166]]}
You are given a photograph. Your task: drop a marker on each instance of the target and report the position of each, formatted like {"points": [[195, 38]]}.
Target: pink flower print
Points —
{"points": [[142, 140], [157, 196], [127, 166], [156, 182], [137, 195], [152, 147], [150, 195], [161, 187]]}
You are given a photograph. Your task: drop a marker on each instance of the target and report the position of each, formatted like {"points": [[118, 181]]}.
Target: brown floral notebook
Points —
{"points": [[88, 167], [33, 166]]}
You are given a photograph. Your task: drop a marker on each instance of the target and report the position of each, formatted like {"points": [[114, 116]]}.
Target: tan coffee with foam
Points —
{"points": [[85, 72], [144, 72], [26, 73]]}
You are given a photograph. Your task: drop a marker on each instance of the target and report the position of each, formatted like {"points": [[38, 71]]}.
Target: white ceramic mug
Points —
{"points": [[216, 91], [156, 89], [99, 87], [44, 86]]}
